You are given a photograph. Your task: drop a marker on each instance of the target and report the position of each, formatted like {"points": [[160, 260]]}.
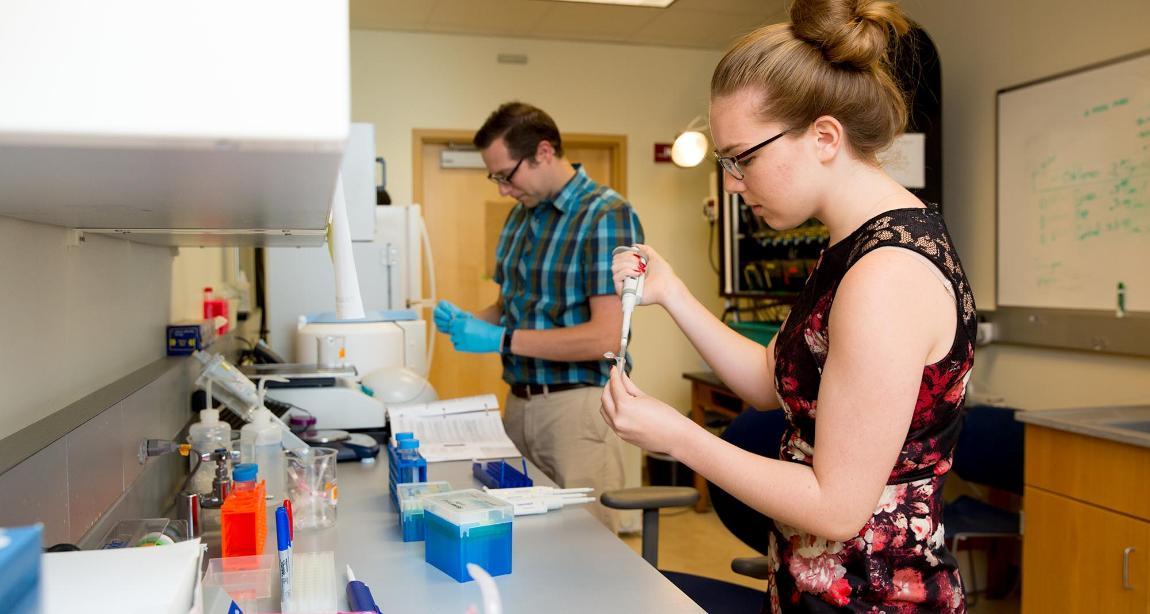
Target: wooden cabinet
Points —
{"points": [[1073, 557], [1086, 525]]}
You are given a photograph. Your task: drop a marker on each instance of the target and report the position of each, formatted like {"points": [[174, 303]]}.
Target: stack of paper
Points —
{"points": [[455, 429]]}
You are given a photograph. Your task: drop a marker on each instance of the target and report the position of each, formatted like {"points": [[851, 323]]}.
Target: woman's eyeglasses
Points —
{"points": [[730, 164]]}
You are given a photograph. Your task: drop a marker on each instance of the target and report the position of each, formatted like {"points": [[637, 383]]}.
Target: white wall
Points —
{"points": [[404, 81], [73, 319], [986, 45]]}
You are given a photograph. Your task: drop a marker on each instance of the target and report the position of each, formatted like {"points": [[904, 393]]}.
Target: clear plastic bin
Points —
{"points": [[144, 532], [251, 581]]}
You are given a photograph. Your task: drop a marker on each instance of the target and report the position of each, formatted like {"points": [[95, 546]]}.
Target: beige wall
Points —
{"points": [[402, 81], [986, 45], [73, 319]]}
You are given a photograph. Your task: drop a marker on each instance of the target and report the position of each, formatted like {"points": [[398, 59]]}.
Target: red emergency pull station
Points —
{"points": [[662, 152]]}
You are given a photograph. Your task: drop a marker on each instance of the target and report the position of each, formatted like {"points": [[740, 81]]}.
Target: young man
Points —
{"points": [[557, 312]]}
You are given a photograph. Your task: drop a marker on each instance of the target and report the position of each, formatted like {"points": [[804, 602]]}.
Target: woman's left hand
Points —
{"points": [[641, 419]]}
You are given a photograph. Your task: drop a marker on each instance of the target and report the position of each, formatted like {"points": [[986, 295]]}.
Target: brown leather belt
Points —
{"points": [[526, 391]]}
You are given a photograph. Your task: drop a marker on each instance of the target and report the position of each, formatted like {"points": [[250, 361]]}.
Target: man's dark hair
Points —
{"points": [[523, 127]]}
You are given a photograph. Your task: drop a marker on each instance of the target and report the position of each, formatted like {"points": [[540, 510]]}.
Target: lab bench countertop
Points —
{"points": [[562, 561], [1123, 424]]}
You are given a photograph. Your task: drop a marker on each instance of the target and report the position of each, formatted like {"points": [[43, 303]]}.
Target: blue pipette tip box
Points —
{"points": [[468, 526], [501, 474], [20, 554], [411, 506]]}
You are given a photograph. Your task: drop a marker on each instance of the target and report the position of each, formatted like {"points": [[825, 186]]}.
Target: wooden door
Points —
{"points": [[464, 214], [1072, 557]]}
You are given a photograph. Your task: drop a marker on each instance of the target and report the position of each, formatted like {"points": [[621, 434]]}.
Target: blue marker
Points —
{"points": [[283, 545], [358, 595]]}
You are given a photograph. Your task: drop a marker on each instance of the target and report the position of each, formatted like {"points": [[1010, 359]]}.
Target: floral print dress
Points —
{"points": [[898, 562]]}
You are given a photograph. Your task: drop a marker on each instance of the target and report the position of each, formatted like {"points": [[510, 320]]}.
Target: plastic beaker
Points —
{"points": [[312, 487]]}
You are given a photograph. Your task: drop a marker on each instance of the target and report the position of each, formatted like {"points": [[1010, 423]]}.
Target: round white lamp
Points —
{"points": [[689, 149]]}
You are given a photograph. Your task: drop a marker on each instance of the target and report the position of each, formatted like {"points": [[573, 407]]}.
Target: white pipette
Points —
{"points": [[631, 295]]}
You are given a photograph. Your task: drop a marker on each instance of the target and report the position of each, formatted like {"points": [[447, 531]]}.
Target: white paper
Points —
{"points": [[148, 580], [455, 429], [905, 160], [348, 303]]}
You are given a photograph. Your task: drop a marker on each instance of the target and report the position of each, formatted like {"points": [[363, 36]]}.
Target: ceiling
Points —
{"points": [[706, 24]]}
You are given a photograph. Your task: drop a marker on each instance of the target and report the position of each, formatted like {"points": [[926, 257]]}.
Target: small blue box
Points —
{"points": [[184, 339], [468, 526], [411, 506], [20, 552]]}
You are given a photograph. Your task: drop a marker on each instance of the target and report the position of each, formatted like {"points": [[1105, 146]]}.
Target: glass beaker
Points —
{"points": [[311, 486]]}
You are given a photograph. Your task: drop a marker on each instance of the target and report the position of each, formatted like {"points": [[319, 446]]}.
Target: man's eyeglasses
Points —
{"points": [[731, 163], [505, 179]]}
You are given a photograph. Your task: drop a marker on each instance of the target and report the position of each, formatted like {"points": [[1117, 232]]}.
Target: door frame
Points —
{"points": [[616, 143]]}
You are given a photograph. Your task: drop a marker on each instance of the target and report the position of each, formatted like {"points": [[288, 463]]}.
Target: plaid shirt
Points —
{"points": [[551, 259]]}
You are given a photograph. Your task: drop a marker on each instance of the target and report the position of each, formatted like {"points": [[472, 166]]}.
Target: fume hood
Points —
{"points": [[222, 125]]}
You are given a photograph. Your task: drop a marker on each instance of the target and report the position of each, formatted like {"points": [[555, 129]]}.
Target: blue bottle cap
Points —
{"points": [[402, 436], [408, 444], [245, 472]]}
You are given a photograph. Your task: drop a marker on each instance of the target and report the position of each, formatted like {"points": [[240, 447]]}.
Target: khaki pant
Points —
{"points": [[564, 434]]}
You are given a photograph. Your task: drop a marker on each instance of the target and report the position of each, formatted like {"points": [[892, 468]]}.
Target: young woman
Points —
{"points": [[873, 359]]}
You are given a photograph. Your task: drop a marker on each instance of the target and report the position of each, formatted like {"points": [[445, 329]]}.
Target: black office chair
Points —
{"points": [[990, 453], [759, 432]]}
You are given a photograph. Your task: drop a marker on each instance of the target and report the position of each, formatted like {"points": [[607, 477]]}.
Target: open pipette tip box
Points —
{"points": [[500, 474], [411, 506]]}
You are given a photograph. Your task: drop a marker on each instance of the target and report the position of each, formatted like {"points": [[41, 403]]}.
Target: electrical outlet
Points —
{"points": [[709, 208], [986, 333]]}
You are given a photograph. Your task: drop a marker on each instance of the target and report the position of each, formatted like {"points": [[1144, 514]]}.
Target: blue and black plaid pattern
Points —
{"points": [[552, 259]]}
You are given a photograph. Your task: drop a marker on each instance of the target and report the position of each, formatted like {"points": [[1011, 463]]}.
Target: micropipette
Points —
{"points": [[631, 295]]}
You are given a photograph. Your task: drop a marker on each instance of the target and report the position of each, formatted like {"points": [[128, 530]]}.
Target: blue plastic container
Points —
{"points": [[20, 552], [404, 463], [468, 526], [411, 506]]}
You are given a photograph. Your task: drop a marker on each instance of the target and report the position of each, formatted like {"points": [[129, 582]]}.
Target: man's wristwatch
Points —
{"points": [[506, 349]]}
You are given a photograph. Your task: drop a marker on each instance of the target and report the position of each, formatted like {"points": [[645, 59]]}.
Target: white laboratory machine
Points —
{"points": [[388, 350]]}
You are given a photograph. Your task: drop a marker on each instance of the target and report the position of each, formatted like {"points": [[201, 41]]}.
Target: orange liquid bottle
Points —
{"points": [[243, 516]]}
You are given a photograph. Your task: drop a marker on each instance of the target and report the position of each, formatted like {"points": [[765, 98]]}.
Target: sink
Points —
{"points": [[1142, 426]]}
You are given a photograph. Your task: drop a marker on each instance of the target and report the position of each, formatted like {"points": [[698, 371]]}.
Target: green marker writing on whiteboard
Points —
{"points": [[1121, 311]]}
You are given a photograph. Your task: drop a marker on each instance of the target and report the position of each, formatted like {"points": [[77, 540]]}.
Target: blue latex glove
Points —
{"points": [[445, 313], [474, 335]]}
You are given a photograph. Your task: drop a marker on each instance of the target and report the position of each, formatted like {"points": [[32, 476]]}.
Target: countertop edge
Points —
{"points": [[1053, 419]]}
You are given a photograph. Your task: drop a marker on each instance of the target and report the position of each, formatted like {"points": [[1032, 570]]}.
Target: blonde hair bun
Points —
{"points": [[854, 33]]}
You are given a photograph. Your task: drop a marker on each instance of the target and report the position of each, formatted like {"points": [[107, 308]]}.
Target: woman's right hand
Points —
{"points": [[660, 281]]}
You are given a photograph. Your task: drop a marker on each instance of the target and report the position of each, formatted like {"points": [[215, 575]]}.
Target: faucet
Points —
{"points": [[188, 503], [222, 483]]}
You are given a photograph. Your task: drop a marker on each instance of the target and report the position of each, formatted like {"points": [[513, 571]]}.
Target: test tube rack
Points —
{"points": [[403, 468], [499, 474]]}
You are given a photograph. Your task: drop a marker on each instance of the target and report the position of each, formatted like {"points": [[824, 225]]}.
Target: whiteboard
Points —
{"points": [[1074, 189]]}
